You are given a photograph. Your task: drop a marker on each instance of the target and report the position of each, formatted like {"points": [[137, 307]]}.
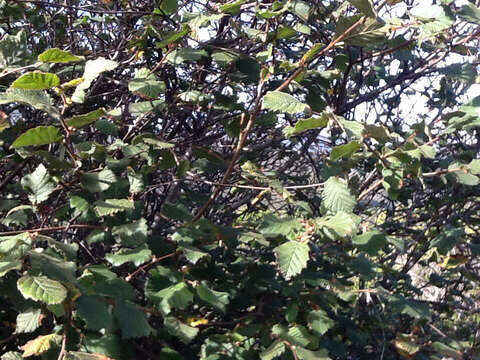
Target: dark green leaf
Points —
{"points": [[219, 300], [178, 329], [137, 256], [94, 312], [79, 121], [131, 321], [370, 242], [319, 321]]}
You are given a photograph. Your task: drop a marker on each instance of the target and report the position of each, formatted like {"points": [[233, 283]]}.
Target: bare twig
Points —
{"points": [[154, 260], [53, 228]]}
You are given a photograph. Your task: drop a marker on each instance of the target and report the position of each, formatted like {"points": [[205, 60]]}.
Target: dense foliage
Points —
{"points": [[239, 179]]}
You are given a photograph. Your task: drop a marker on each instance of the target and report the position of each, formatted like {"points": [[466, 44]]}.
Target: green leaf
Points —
{"points": [[364, 267], [143, 107], [276, 349], [41, 288], [13, 50], [169, 6], [93, 68], [9, 245], [40, 135], [273, 225], [292, 312], [353, 129], [370, 32], [319, 321], [39, 184], [182, 168], [176, 296], [37, 99], [94, 312], [470, 13], [219, 300], [364, 6], [106, 127], [279, 101], [194, 96], [97, 182], [378, 132], [55, 55], [461, 177], [178, 56], [232, 8], [305, 354], [447, 351], [306, 124], [36, 81], [193, 254], [7, 266], [371, 242], [447, 239], [296, 335], [131, 321], [474, 166], [170, 37], [28, 321], [137, 256], [12, 355], [198, 20], [342, 223], [177, 328], [145, 84], [299, 8], [416, 309], [344, 151], [466, 73], [109, 345], [112, 206], [79, 121], [78, 355], [392, 181], [79, 203], [292, 258], [53, 267], [336, 196], [132, 234], [225, 58]]}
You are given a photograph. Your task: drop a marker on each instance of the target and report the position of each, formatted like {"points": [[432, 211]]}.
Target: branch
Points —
{"points": [[241, 141], [13, 174]]}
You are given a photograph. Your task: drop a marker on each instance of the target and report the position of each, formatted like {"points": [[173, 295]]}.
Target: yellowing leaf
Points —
{"points": [[192, 321], [39, 345], [452, 261]]}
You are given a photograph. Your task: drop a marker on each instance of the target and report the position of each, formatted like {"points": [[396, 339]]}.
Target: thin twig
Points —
{"points": [[93, 11], [53, 228], [375, 185], [152, 262]]}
